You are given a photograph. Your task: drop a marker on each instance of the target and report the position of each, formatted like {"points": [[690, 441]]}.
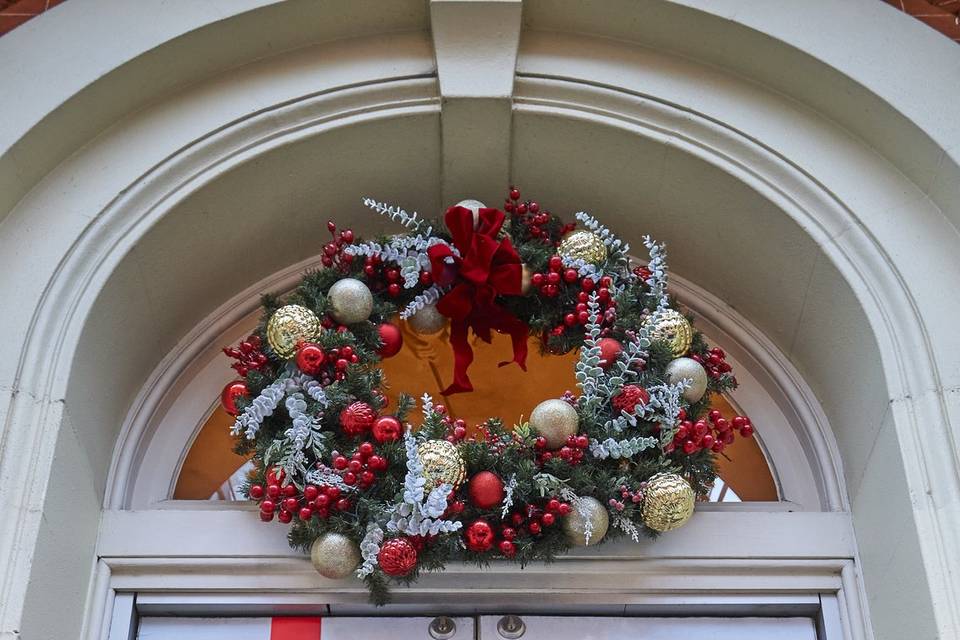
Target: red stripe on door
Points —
{"points": [[290, 628]]}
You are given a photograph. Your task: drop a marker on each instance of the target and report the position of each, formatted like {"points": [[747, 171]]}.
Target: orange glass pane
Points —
{"points": [[425, 365]]}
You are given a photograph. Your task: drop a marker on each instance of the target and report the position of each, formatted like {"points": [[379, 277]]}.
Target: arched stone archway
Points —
{"points": [[819, 205]]}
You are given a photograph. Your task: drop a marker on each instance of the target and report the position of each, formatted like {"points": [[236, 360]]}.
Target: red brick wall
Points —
{"points": [[942, 15]]}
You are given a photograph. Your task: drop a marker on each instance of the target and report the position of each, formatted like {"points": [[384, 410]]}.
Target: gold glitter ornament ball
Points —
{"points": [[350, 301], [674, 329], [290, 325], [334, 555], [667, 502], [555, 420], [442, 463], [585, 246], [586, 509]]}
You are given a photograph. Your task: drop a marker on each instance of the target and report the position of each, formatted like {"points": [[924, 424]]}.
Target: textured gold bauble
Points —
{"points": [[586, 509], [674, 329], [692, 371], [583, 245], [667, 502], [289, 325], [334, 555], [442, 463], [427, 321], [555, 420], [350, 301]]}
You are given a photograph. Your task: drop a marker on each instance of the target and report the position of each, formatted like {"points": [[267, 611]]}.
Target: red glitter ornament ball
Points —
{"points": [[397, 557], [610, 349], [387, 429], [230, 393], [629, 397], [310, 358], [357, 418], [392, 340], [479, 536], [485, 489]]}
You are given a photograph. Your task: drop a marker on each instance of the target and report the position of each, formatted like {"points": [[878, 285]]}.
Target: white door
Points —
{"points": [[581, 628], [463, 628]]}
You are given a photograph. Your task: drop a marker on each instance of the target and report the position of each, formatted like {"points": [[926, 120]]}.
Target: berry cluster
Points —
{"points": [[714, 434], [715, 363], [326, 365], [534, 518], [535, 223], [333, 251], [572, 452], [626, 496], [314, 500], [247, 355], [362, 467]]}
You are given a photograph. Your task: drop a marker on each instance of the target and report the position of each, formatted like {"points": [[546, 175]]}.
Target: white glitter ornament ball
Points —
{"points": [[474, 206], [350, 301], [691, 370]]}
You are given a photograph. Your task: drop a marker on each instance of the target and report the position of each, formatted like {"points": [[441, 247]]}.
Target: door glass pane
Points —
{"points": [[211, 471]]}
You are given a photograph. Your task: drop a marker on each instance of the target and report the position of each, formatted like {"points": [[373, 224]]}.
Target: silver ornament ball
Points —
{"points": [[474, 206], [350, 301], [691, 370], [427, 321], [586, 509], [555, 420], [334, 555]]}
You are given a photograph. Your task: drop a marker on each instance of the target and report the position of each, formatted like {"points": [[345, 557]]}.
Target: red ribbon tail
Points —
{"points": [[518, 335], [462, 357]]}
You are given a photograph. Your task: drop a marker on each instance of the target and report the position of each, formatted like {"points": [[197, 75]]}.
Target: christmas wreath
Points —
{"points": [[368, 493]]}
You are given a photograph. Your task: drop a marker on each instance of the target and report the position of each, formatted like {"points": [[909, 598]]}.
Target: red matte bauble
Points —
{"points": [[310, 358], [485, 489], [230, 393], [479, 536], [397, 557], [610, 349], [387, 429], [392, 340], [357, 418]]}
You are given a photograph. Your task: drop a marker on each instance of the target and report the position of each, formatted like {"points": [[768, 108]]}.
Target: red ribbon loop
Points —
{"points": [[485, 269]]}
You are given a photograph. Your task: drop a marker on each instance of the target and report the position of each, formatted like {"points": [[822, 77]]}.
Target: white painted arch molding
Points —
{"points": [[799, 165]]}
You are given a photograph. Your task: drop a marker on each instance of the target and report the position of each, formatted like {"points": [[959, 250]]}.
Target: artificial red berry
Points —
{"points": [[365, 449], [507, 533], [290, 504], [306, 513], [256, 491], [548, 519], [349, 478], [564, 509], [284, 516], [266, 516], [333, 492], [290, 490], [267, 506], [273, 491], [534, 528], [322, 501], [354, 465], [343, 504], [555, 263], [553, 505], [367, 477], [507, 548]]}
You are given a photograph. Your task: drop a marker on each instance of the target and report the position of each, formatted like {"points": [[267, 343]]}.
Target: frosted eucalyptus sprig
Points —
{"points": [[395, 213], [370, 549], [262, 407], [327, 476], [616, 248], [420, 513], [430, 296], [616, 449], [657, 281], [588, 372], [583, 268]]}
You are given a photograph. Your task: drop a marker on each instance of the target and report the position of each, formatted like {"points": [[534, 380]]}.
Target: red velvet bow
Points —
{"points": [[485, 269]]}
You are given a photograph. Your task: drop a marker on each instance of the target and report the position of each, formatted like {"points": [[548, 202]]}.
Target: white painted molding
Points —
{"points": [[476, 43]]}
